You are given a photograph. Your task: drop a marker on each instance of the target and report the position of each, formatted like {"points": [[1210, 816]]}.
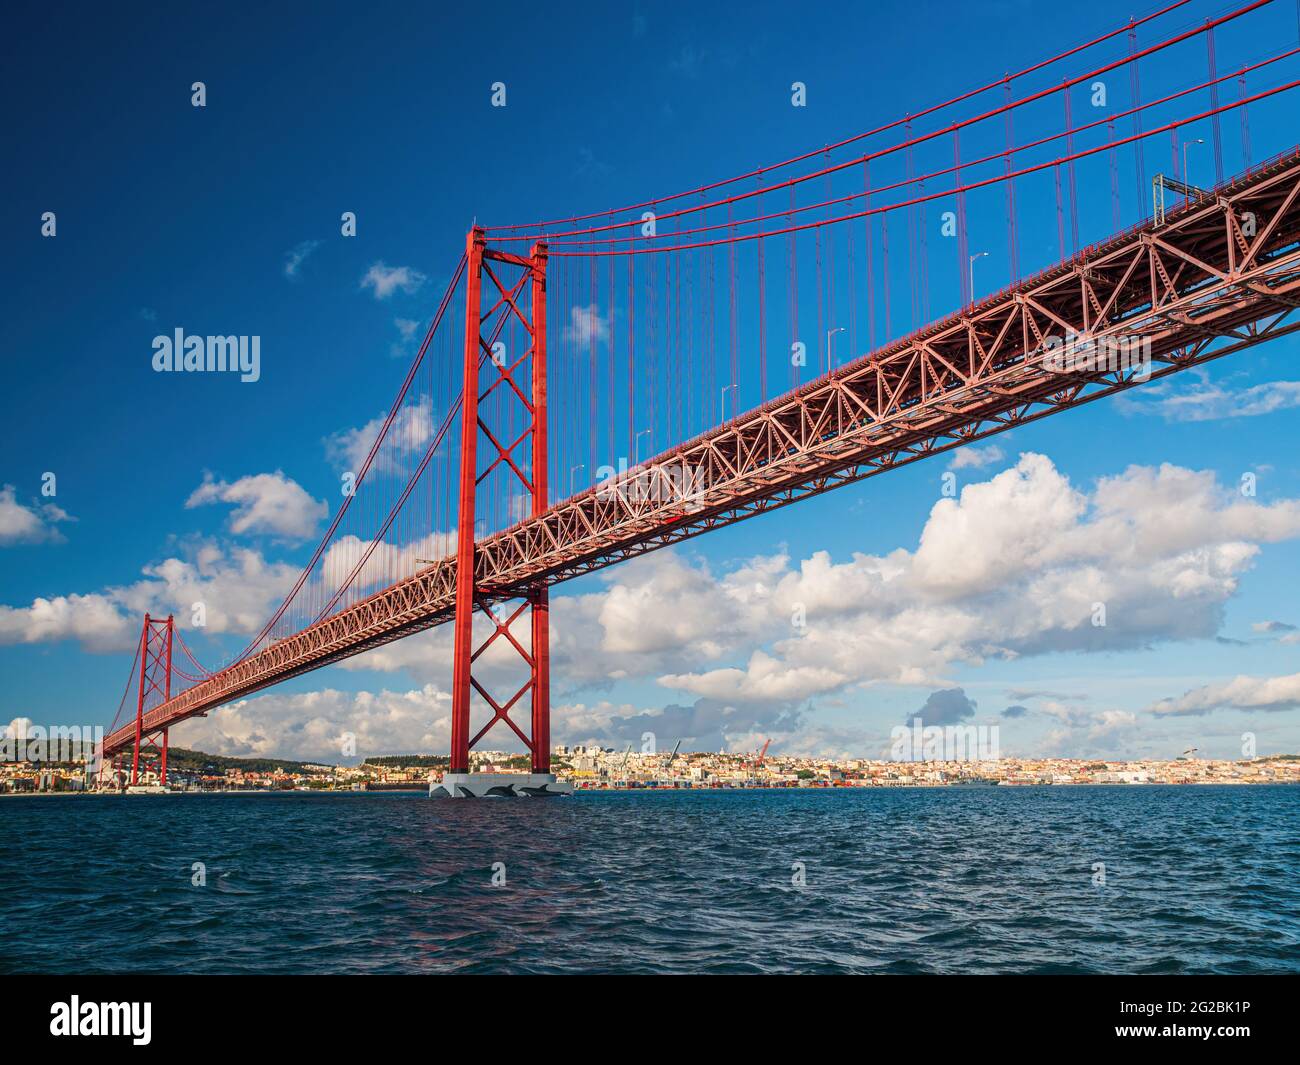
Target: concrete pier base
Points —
{"points": [[497, 785]]}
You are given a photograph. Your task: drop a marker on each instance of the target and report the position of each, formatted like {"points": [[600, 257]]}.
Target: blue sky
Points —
{"points": [[224, 219]]}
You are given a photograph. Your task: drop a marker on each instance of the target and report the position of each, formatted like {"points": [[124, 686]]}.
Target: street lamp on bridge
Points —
{"points": [[830, 357], [722, 403], [1186, 176]]}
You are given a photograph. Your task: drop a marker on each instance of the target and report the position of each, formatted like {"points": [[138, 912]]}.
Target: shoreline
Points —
{"points": [[658, 790]]}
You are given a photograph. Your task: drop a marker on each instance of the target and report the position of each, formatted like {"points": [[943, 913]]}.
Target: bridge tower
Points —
{"points": [[155, 681], [515, 290]]}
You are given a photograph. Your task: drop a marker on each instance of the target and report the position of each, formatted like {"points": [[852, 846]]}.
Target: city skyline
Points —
{"points": [[914, 761]]}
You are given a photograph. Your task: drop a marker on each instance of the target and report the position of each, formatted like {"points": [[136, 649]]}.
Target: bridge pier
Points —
{"points": [[498, 605], [498, 785]]}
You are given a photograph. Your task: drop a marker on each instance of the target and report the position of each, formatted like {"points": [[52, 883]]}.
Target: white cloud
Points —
{"points": [[1012, 568], [96, 621], [409, 328], [295, 257], [239, 590], [385, 280], [587, 325], [264, 503], [34, 524], [764, 678], [312, 726], [973, 457], [1205, 401], [1081, 733], [1240, 693], [409, 435], [1016, 566], [386, 562]]}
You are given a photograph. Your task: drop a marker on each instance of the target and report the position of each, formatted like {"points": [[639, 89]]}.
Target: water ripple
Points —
{"points": [[897, 881]]}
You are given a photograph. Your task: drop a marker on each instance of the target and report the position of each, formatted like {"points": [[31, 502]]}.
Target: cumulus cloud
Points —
{"points": [[22, 524], [313, 726], [96, 621], [1084, 733], [1272, 626], [238, 588], [345, 554], [655, 613], [1015, 711], [1016, 566], [764, 678], [1240, 693], [385, 280], [973, 457], [412, 430], [1206, 401], [268, 503], [1011, 569]]}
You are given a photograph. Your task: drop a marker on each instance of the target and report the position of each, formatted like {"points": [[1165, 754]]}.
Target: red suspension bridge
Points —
{"points": [[700, 329]]}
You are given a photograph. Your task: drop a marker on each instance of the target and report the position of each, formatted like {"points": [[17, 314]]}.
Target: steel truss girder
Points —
{"points": [[1204, 284]]}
